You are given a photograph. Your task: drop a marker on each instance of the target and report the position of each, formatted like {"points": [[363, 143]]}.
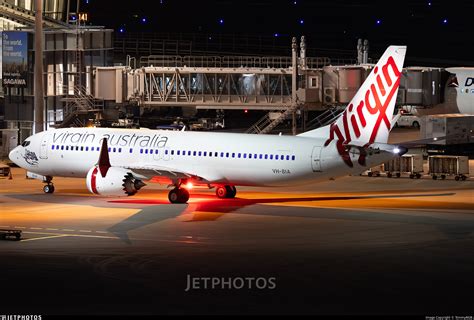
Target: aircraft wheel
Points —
{"points": [[221, 192], [48, 188], [178, 195], [463, 178], [456, 178], [231, 191]]}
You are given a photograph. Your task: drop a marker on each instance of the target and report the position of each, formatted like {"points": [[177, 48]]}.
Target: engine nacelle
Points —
{"points": [[117, 182]]}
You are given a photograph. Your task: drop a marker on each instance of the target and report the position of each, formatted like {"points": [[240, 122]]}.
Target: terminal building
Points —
{"points": [[84, 85]]}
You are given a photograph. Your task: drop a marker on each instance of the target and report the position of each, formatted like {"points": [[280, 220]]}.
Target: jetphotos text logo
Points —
{"points": [[229, 283]]}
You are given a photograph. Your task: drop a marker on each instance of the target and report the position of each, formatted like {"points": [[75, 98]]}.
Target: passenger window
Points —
{"points": [[189, 153], [194, 153], [205, 154], [199, 153], [77, 148], [120, 150], [245, 156], [222, 154], [282, 157], [184, 152], [238, 155], [227, 155], [141, 150], [172, 152], [62, 147], [131, 150], [271, 157], [178, 152], [255, 156], [266, 156], [260, 156], [233, 155], [287, 158], [293, 158], [166, 151], [216, 154]]}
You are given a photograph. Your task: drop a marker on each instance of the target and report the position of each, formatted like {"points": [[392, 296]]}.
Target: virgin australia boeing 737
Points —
{"points": [[115, 162]]}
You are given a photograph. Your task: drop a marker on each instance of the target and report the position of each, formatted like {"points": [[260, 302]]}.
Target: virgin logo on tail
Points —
{"points": [[374, 103]]}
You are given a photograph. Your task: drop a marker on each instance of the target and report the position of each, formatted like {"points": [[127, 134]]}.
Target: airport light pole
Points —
{"points": [[294, 48], [38, 70]]}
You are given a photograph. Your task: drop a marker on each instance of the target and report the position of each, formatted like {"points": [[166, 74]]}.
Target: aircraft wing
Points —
{"points": [[147, 172]]}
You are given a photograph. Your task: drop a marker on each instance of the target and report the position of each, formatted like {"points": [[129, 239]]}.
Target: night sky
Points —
{"points": [[431, 29]]}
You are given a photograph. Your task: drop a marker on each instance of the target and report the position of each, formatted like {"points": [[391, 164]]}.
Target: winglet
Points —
{"points": [[104, 161]]}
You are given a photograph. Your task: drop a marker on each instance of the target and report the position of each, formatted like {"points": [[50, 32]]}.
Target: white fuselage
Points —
{"points": [[219, 158]]}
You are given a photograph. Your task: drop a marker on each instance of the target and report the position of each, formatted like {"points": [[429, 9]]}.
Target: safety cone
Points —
{"points": [[10, 176]]}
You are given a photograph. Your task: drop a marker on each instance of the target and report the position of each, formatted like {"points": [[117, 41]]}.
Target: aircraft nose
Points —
{"points": [[13, 155]]}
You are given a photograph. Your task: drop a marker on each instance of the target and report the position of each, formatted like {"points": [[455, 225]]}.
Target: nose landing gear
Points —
{"points": [[49, 186]]}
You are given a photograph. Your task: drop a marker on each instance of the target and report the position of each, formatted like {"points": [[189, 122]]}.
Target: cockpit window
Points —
{"points": [[25, 143]]}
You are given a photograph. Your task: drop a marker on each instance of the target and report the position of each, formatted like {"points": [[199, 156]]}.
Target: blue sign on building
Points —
{"points": [[15, 58]]}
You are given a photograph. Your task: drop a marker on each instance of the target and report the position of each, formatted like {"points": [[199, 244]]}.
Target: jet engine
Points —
{"points": [[117, 182]]}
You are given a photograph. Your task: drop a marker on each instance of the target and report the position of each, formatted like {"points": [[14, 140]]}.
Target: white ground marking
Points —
{"points": [[47, 237]]}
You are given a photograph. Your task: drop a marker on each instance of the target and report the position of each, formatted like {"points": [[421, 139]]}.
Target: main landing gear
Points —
{"points": [[181, 195], [178, 195], [49, 186], [226, 192]]}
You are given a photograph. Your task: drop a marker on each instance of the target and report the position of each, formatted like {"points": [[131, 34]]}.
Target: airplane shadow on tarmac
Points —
{"points": [[208, 208]]}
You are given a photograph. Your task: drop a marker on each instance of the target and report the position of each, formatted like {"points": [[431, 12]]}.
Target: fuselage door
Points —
{"points": [[44, 146], [316, 159]]}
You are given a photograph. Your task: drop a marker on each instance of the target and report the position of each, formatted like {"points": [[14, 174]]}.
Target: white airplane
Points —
{"points": [[458, 92], [115, 162]]}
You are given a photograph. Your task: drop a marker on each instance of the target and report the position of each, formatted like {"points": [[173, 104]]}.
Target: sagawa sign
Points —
{"points": [[14, 58]]}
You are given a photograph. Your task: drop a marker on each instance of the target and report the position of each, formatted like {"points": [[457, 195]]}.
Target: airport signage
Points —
{"points": [[14, 58]]}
